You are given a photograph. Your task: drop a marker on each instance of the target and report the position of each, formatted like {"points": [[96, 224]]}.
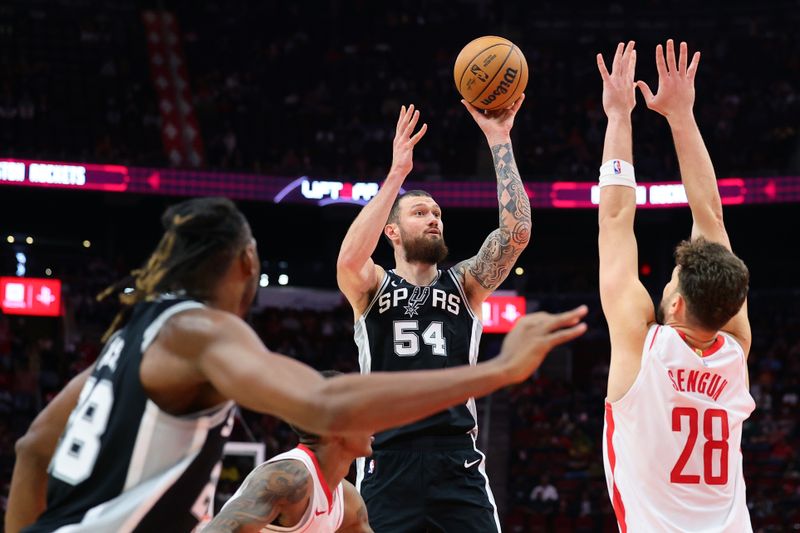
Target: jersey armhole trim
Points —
{"points": [[463, 295], [325, 488], [151, 333], [381, 288], [627, 398]]}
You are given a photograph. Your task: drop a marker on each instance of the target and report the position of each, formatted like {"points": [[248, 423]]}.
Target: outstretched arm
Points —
{"points": [[27, 495], [675, 101], [483, 273], [356, 273], [355, 518], [626, 304], [270, 489], [224, 351]]}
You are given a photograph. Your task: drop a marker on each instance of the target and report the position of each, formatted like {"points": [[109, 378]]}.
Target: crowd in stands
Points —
{"points": [[284, 89], [556, 480]]}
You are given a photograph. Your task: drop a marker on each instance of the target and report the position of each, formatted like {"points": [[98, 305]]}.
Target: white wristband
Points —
{"points": [[617, 172]]}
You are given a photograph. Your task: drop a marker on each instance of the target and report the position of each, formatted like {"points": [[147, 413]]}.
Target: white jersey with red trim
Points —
{"points": [[672, 443], [325, 510]]}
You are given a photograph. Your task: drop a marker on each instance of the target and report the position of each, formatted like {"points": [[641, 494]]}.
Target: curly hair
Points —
{"points": [[712, 280]]}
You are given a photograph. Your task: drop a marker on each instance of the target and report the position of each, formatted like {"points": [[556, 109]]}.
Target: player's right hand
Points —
{"points": [[675, 96], [534, 335], [404, 141]]}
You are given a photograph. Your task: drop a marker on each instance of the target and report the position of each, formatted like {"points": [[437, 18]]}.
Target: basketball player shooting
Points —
{"points": [[416, 316], [677, 384]]}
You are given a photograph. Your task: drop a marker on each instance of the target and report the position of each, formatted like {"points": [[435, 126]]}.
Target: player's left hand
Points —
{"points": [[675, 96], [495, 124]]}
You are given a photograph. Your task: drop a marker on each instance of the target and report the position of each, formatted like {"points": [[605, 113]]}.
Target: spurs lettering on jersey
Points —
{"points": [[412, 305]]}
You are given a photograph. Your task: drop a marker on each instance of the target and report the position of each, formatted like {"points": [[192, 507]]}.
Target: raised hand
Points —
{"points": [[619, 95], [496, 125], [404, 142], [675, 96], [534, 335]]}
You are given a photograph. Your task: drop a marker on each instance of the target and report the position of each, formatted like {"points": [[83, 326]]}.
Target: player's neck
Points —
{"points": [[695, 338], [334, 464], [226, 298], [416, 273]]}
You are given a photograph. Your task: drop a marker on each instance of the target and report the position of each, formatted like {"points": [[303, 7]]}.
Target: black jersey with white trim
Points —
{"points": [[123, 464], [410, 327]]}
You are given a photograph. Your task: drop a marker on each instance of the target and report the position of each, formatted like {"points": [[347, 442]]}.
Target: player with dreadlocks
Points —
{"points": [[134, 442]]}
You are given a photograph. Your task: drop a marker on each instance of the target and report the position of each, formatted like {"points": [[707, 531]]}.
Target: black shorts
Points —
{"points": [[428, 485]]}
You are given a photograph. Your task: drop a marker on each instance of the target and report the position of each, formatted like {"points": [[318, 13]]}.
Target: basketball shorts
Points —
{"points": [[428, 485]]}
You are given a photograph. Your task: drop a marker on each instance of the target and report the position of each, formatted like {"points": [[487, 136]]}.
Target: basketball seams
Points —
{"points": [[524, 71], [466, 68], [500, 68]]}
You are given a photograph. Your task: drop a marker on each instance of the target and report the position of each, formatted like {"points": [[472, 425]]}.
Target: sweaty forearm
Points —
{"points": [[384, 400], [366, 230]]}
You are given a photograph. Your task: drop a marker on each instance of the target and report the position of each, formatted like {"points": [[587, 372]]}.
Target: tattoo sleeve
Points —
{"points": [[267, 489], [503, 246]]}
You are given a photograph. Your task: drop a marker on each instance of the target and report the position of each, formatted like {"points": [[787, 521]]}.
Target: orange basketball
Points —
{"points": [[491, 72]]}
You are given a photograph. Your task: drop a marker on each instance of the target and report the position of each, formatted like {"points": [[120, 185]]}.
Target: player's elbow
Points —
{"points": [[348, 261], [31, 446]]}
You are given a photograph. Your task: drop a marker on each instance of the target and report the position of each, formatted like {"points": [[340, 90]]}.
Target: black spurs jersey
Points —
{"points": [[123, 464], [408, 327]]}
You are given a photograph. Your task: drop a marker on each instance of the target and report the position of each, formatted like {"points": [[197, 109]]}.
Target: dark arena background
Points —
{"points": [[110, 111]]}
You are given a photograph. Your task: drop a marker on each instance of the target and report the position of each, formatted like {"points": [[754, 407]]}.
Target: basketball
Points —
{"points": [[491, 72]]}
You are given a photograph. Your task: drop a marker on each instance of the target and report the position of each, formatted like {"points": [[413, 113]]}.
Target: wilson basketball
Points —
{"points": [[491, 72]]}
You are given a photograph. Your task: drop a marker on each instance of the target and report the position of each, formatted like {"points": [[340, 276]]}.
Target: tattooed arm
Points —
{"points": [[270, 490], [355, 511], [485, 272]]}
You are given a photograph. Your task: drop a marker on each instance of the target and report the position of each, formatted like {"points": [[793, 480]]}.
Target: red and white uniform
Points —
{"points": [[672, 444], [325, 509]]}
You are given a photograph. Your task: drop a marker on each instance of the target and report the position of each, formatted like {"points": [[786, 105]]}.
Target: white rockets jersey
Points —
{"points": [[672, 443], [325, 511]]}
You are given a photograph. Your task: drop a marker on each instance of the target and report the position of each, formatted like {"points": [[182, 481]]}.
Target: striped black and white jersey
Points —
{"points": [[123, 464], [410, 327]]}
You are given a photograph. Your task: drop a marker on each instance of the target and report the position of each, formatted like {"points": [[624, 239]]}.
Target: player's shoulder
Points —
{"points": [[189, 331], [290, 472]]}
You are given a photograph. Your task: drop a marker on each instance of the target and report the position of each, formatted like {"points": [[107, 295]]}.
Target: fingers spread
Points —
{"points": [[671, 57], [617, 57], [693, 66], [661, 64], [401, 118], [412, 123], [645, 89], [601, 66], [417, 136], [682, 59]]}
